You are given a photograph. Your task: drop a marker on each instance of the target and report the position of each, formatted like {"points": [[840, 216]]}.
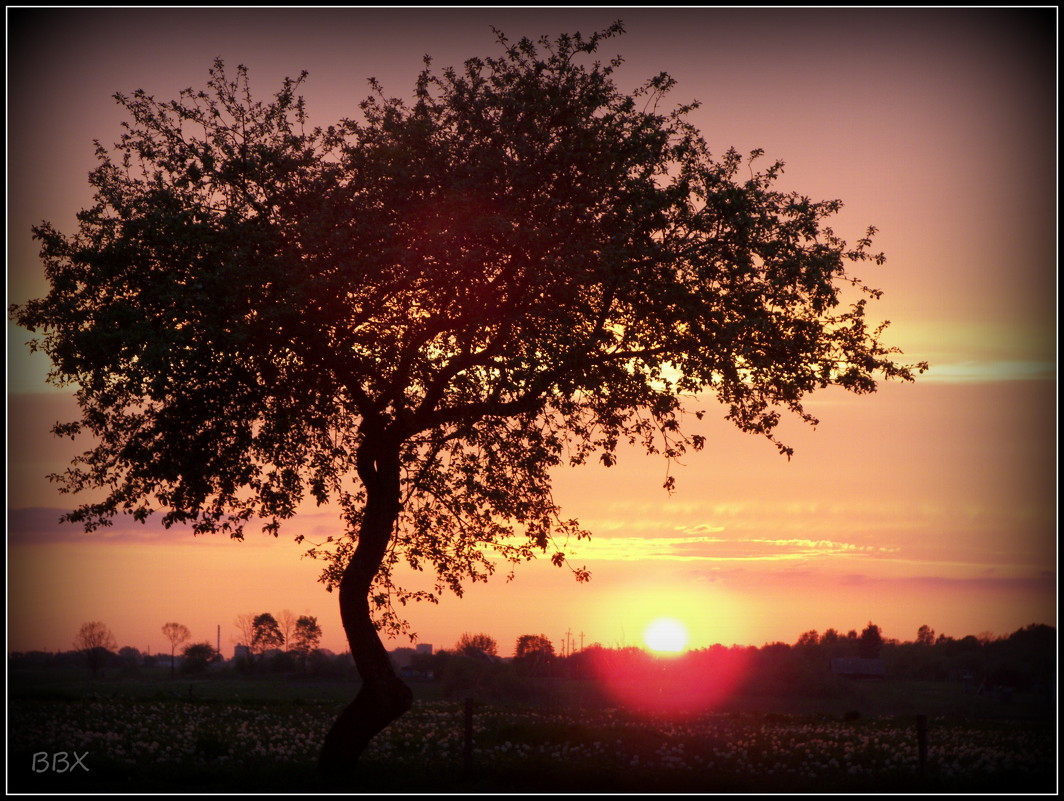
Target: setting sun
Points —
{"points": [[666, 635]]}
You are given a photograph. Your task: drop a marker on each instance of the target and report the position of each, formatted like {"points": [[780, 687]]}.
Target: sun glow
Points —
{"points": [[666, 635]]}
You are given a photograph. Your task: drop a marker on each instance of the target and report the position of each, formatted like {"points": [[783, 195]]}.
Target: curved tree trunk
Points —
{"points": [[383, 697]]}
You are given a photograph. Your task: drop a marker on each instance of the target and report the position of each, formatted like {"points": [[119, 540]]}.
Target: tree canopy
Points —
{"points": [[416, 314], [476, 645], [307, 636], [266, 634], [95, 640], [523, 266], [176, 634], [534, 649]]}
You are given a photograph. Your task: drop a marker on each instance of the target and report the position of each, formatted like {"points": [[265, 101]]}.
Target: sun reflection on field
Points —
{"points": [[689, 684]]}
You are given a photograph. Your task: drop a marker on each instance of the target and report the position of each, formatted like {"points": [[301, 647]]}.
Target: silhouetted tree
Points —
{"points": [[265, 634], [198, 657], [177, 634], [95, 641], [870, 643], [534, 654], [306, 637], [286, 623], [925, 635], [477, 645], [418, 314], [131, 658], [534, 650], [245, 625]]}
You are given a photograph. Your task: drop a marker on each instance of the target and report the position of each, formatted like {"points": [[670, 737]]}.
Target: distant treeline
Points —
{"points": [[814, 665], [195, 659]]}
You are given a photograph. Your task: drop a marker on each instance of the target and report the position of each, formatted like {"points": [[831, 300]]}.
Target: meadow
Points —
{"points": [[241, 735]]}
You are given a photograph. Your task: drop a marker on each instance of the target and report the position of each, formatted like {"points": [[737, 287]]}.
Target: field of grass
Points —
{"points": [[231, 734]]}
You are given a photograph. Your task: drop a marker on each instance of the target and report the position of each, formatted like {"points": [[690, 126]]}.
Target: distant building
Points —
{"points": [[404, 663], [402, 657], [241, 652], [859, 668]]}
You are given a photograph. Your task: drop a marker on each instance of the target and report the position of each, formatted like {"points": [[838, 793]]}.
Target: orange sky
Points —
{"points": [[931, 503]]}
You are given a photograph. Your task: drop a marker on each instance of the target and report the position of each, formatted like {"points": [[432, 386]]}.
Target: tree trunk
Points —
{"points": [[383, 697]]}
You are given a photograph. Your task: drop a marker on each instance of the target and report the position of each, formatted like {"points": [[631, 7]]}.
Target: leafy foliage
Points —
{"points": [[476, 645], [435, 304], [307, 636], [266, 633], [198, 657], [871, 642], [534, 647], [534, 653]]}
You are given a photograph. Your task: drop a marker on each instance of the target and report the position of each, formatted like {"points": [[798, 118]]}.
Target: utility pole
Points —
{"points": [[581, 641]]}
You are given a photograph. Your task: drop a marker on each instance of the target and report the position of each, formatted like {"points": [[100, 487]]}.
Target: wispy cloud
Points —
{"points": [[40, 526], [1043, 580], [720, 549], [974, 371]]}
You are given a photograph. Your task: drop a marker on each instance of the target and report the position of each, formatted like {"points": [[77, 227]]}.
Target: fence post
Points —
{"points": [[467, 752], [921, 740]]}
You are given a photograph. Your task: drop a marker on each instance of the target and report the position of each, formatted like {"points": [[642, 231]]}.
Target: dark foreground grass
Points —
{"points": [[263, 737], [168, 747]]}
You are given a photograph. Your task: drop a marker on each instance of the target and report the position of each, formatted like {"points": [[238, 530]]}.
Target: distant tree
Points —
{"points": [[1035, 648], [198, 657], [245, 625], [286, 622], [987, 637], [925, 635], [536, 646], [808, 639], [870, 643], [265, 634], [95, 641], [476, 645], [534, 652], [131, 657], [177, 635], [306, 638], [417, 314]]}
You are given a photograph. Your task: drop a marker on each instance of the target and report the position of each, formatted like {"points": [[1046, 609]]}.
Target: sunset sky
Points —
{"points": [[928, 503]]}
